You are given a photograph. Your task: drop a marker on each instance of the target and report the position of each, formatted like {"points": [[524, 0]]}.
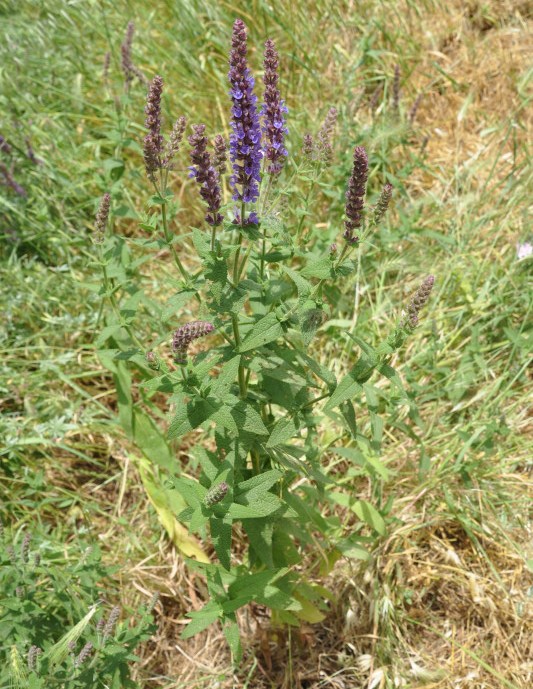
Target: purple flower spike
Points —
{"points": [[245, 139], [206, 175], [184, 335], [273, 112], [324, 144], [174, 142], [153, 141], [125, 55], [10, 181], [4, 146], [355, 195], [308, 146], [221, 155], [417, 303]]}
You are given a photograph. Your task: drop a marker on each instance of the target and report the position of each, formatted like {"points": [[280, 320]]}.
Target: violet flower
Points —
{"points": [[206, 175], [102, 214], [383, 203], [174, 141], [355, 194], [245, 139], [273, 109], [153, 141], [308, 146], [4, 145], [414, 109], [84, 654], [11, 182], [125, 55], [185, 334], [418, 301], [221, 154], [396, 91], [324, 144]]}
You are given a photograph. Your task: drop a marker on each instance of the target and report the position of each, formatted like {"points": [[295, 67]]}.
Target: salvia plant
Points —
{"points": [[232, 351], [55, 629]]}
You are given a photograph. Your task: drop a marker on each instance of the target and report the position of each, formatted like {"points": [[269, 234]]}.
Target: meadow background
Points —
{"points": [[446, 600]]}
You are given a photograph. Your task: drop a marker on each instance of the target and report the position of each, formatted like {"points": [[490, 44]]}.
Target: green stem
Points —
{"points": [[168, 240], [237, 335], [307, 196], [109, 289], [263, 245], [234, 319], [255, 461]]}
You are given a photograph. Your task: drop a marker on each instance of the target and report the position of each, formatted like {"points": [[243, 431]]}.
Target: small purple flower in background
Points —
{"points": [[31, 153], [109, 628], [4, 146], [524, 251], [33, 655], [84, 654], [308, 146], [102, 216], [206, 175], [107, 64], [396, 91], [374, 99], [414, 109], [220, 157], [174, 141], [324, 144], [383, 203], [245, 139], [355, 194], [125, 54], [273, 111], [184, 335], [11, 182], [153, 141], [418, 301]]}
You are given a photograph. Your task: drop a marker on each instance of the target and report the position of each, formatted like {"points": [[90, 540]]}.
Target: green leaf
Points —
{"points": [[231, 632], [362, 460], [202, 244], [345, 390], [284, 430], [257, 485], [227, 377], [243, 416], [221, 535], [124, 399], [175, 304], [310, 320], [369, 514], [302, 285], [260, 533], [201, 619], [348, 412], [190, 416], [264, 331], [192, 491], [351, 384], [250, 585], [262, 507], [319, 268], [151, 442], [352, 550], [169, 383], [106, 333]]}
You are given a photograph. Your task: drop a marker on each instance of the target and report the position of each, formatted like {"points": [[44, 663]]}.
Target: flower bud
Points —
{"points": [[216, 494]]}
